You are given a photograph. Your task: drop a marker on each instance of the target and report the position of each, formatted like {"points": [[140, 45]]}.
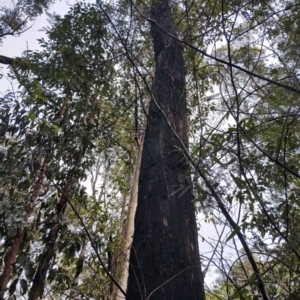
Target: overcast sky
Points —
{"points": [[14, 46]]}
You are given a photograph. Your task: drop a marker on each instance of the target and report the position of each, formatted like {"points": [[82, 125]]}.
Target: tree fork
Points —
{"points": [[164, 257]]}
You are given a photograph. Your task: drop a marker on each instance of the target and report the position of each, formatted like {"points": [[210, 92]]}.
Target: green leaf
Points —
{"points": [[236, 295], [29, 270], [31, 116], [79, 267], [236, 230], [12, 287], [24, 286], [238, 181], [52, 275]]}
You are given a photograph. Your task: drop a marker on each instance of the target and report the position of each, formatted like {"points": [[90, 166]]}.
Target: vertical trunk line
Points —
{"points": [[9, 261], [117, 256], [164, 260], [11, 256], [123, 266], [14, 249], [38, 283]]}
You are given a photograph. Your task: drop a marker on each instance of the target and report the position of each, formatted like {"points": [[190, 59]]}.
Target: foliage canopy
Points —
{"points": [[76, 107]]}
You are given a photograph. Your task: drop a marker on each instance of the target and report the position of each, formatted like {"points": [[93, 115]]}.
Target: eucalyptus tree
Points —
{"points": [[165, 224], [64, 114], [232, 158], [226, 75]]}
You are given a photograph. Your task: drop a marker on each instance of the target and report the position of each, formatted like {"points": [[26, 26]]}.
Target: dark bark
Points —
{"points": [[6, 60], [165, 256]]}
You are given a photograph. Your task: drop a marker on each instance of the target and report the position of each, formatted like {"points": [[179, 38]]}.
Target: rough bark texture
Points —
{"points": [[164, 257]]}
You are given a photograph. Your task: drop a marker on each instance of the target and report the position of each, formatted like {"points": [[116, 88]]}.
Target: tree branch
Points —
{"points": [[6, 60], [230, 64]]}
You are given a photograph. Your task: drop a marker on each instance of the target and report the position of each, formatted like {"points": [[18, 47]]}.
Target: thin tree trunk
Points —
{"points": [[14, 249], [122, 228], [95, 177], [122, 267], [9, 261], [102, 190], [117, 256], [164, 260], [11, 256], [38, 186], [38, 283]]}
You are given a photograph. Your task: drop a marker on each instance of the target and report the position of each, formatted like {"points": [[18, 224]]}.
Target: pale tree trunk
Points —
{"points": [[117, 256], [122, 228], [122, 267], [95, 177], [102, 190]]}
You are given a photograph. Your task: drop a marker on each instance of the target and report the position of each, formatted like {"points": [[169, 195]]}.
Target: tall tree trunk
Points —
{"points": [[123, 264], [164, 257]]}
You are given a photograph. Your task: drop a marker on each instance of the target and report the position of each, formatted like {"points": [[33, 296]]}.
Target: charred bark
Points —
{"points": [[164, 260]]}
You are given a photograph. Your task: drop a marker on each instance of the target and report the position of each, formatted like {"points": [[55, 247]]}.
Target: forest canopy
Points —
{"points": [[212, 87]]}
